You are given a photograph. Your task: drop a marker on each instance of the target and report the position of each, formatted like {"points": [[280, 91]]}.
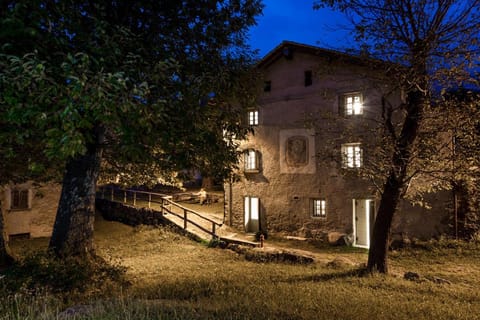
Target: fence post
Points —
{"points": [[134, 198], [149, 199], [103, 193], [112, 194], [185, 219], [213, 230], [125, 196]]}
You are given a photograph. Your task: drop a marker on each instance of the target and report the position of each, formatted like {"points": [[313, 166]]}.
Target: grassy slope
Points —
{"points": [[175, 278]]}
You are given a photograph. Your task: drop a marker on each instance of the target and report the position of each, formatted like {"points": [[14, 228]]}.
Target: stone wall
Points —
{"points": [[135, 216], [129, 215], [295, 117]]}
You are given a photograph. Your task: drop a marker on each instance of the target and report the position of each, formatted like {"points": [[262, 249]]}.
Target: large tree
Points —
{"points": [[141, 88], [433, 42], [461, 118]]}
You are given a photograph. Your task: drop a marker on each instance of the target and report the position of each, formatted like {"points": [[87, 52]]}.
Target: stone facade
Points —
{"points": [[292, 188], [30, 208]]}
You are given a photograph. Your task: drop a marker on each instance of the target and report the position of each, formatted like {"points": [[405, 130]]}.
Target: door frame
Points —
{"points": [[247, 222], [369, 218]]}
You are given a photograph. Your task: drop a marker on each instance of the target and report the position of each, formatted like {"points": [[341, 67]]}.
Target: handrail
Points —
{"points": [[165, 199], [190, 210]]}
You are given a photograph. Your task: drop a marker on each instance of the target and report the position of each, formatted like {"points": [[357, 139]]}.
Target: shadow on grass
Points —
{"points": [[334, 275]]}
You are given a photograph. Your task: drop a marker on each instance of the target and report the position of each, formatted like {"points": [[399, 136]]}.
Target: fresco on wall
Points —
{"points": [[297, 149]]}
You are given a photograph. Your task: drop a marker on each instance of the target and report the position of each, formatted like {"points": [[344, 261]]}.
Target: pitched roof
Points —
{"points": [[288, 48]]}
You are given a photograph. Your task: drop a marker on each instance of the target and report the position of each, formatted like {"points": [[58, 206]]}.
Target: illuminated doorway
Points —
{"points": [[363, 219], [252, 214]]}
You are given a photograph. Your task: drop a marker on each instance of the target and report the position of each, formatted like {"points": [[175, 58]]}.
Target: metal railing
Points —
{"points": [[163, 202]]}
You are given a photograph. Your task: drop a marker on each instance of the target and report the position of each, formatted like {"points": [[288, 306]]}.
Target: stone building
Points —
{"points": [[29, 209], [286, 182]]}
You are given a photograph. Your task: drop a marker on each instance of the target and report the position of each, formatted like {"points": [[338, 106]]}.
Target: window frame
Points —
{"points": [[318, 208], [252, 117], [251, 165], [20, 199], [350, 111], [355, 160]]}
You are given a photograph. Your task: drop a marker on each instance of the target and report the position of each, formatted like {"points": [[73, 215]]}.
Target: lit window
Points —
{"points": [[353, 104], [253, 117], [319, 208], [352, 155], [19, 199], [251, 160]]}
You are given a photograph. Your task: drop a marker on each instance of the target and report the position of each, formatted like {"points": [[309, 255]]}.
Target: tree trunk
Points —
{"points": [[395, 184], [73, 229], [6, 256], [377, 256]]}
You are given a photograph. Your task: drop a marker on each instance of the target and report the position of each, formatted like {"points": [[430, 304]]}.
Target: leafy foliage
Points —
{"points": [[430, 44], [124, 85], [144, 71]]}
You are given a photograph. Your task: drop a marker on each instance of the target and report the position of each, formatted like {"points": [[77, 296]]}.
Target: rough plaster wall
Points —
{"points": [[285, 197], [285, 194]]}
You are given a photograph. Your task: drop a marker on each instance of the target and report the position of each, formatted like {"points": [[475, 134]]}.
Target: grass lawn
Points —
{"points": [[174, 278]]}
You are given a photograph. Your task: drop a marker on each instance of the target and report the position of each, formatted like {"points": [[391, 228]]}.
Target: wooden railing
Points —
{"points": [[163, 202]]}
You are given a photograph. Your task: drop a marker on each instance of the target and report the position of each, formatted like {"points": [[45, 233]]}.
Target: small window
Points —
{"points": [[19, 199], [308, 78], [267, 86], [251, 160], [352, 104], [351, 155], [319, 208], [253, 117]]}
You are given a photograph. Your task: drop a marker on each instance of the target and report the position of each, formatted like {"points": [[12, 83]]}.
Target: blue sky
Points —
{"points": [[295, 20]]}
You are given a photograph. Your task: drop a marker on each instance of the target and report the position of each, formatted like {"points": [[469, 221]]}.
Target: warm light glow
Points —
{"points": [[253, 117], [352, 155], [250, 160], [319, 208], [353, 105], [254, 208]]}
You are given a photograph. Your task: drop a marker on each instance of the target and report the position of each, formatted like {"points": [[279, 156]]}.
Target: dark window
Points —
{"points": [[267, 86], [288, 53], [19, 199], [308, 78]]}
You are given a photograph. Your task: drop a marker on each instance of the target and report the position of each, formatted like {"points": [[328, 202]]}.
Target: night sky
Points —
{"points": [[295, 20]]}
